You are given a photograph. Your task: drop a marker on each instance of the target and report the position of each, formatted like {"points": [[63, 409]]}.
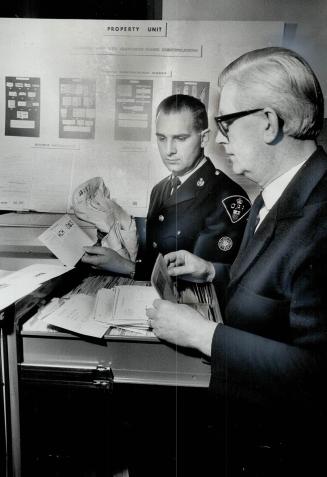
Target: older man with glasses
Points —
{"points": [[269, 356], [225, 120]]}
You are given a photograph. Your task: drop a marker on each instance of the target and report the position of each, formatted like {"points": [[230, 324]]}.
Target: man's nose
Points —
{"points": [[221, 138], [171, 147]]}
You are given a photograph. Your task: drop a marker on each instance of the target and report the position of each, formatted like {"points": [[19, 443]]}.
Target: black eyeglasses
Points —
{"points": [[229, 118]]}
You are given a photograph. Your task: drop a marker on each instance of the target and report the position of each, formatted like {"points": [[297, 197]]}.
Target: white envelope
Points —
{"points": [[66, 240]]}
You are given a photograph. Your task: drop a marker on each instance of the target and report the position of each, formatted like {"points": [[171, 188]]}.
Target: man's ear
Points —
{"points": [[204, 137], [272, 128]]}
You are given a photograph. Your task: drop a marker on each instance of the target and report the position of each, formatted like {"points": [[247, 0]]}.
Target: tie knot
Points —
{"points": [[257, 207], [175, 182], [258, 203]]}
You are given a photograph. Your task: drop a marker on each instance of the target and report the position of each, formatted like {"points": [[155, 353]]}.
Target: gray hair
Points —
{"points": [[283, 80]]}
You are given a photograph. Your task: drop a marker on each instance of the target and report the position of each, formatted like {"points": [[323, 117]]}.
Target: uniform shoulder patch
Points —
{"points": [[237, 207]]}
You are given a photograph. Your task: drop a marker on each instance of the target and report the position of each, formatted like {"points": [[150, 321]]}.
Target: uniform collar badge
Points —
{"points": [[200, 182]]}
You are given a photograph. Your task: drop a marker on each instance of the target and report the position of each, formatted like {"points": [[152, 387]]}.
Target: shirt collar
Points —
{"points": [[274, 190], [188, 174]]}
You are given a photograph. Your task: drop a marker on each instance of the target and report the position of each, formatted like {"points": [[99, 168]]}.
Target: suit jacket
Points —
{"points": [[206, 215], [272, 348]]}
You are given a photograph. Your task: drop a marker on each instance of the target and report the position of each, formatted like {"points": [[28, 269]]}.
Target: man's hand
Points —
{"points": [[192, 268], [181, 325], [107, 259]]}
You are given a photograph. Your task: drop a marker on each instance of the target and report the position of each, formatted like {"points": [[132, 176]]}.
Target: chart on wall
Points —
{"points": [[198, 89], [22, 106], [133, 110], [81, 96], [77, 108]]}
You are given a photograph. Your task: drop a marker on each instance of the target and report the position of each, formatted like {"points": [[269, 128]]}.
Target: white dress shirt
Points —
{"points": [[188, 174], [274, 190]]}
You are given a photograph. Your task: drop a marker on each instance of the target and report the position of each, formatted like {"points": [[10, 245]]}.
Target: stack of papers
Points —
{"points": [[125, 306], [77, 314], [120, 307]]}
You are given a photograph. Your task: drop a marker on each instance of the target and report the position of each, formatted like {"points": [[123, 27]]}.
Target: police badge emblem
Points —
{"points": [[225, 243], [236, 207], [200, 182]]}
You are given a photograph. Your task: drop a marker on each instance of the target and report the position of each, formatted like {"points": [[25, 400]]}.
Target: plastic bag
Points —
{"points": [[91, 202]]}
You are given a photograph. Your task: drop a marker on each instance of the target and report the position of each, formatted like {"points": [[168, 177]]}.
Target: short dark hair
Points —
{"points": [[181, 102], [282, 79]]}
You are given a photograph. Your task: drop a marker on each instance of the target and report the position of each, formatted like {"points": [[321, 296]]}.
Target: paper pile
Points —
{"points": [[105, 304], [125, 306]]}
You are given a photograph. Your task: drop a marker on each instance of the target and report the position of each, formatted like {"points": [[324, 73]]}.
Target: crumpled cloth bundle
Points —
{"points": [[91, 202]]}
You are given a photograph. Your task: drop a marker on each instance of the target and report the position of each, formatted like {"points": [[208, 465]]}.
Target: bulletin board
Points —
{"points": [[79, 98]]}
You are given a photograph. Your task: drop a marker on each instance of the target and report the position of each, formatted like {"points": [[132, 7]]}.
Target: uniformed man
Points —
{"points": [[197, 207]]}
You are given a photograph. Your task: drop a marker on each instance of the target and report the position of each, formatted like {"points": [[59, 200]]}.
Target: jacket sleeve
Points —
{"points": [[259, 370], [143, 266], [221, 236]]}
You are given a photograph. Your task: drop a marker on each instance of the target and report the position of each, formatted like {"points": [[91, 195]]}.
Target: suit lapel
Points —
{"points": [[298, 191], [256, 247], [290, 204]]}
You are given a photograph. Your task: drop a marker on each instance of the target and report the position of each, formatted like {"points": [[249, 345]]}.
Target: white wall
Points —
{"points": [[310, 38], [40, 171], [306, 11]]}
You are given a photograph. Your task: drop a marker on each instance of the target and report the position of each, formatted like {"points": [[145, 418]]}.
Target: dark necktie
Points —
{"points": [[175, 182], [171, 187], [252, 221]]}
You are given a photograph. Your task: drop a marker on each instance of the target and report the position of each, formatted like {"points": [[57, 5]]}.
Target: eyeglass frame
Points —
{"points": [[232, 117]]}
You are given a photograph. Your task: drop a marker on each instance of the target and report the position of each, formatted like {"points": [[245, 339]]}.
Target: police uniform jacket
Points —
{"points": [[272, 348], [205, 215]]}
